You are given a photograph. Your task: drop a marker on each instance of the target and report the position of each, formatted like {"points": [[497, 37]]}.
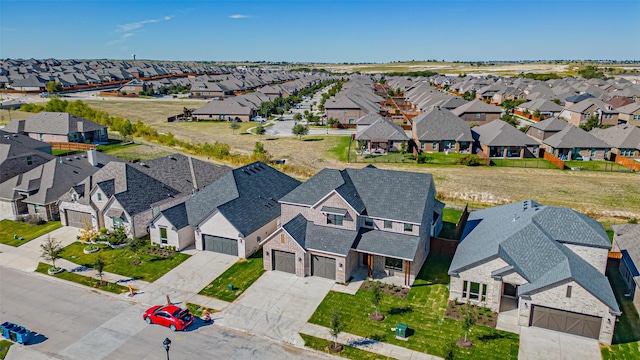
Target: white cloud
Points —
{"points": [[238, 16], [128, 28]]}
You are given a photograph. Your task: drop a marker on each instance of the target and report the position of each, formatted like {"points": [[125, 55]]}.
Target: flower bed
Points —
{"points": [[388, 289], [485, 316]]}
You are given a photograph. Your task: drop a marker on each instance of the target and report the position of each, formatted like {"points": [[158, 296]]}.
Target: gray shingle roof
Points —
{"points": [[627, 239], [543, 105], [476, 106], [621, 136], [550, 124], [395, 245], [531, 237], [247, 196], [574, 137], [382, 129], [499, 133], [441, 124], [176, 215], [370, 189], [53, 123]]}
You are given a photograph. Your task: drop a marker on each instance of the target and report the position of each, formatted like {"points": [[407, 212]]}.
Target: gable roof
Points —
{"points": [[574, 137], [176, 215], [247, 197], [620, 136], [382, 129], [53, 123], [370, 190], [476, 106], [542, 105], [550, 124], [441, 124], [630, 108], [499, 133], [531, 237]]}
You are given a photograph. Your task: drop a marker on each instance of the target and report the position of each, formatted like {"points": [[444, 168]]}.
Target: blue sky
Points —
{"points": [[321, 31]]}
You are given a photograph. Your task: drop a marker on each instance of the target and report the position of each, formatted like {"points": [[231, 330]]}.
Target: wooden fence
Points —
{"points": [[443, 246], [554, 160], [71, 146], [628, 163], [484, 157]]}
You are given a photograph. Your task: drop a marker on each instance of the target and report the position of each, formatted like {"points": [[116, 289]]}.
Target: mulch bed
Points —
{"points": [[376, 317], [388, 289], [160, 252], [335, 349], [485, 316], [464, 344]]}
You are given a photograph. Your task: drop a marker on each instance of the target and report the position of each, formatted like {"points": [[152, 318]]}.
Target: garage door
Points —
{"points": [[565, 321], [323, 267], [284, 261], [77, 218], [220, 244]]}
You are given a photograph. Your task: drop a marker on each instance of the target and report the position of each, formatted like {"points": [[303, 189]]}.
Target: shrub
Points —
{"points": [[33, 220], [423, 158], [469, 160]]}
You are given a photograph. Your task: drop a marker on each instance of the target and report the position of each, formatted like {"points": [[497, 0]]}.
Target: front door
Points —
{"points": [[367, 260]]}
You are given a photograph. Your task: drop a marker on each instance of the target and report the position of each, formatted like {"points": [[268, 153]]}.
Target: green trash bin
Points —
{"points": [[401, 330]]}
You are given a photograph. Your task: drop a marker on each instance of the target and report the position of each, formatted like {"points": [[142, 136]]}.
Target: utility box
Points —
{"points": [[401, 331], [230, 287]]}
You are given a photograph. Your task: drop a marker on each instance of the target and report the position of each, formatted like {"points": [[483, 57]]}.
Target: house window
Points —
{"points": [[282, 238], [477, 116], [163, 235], [465, 285], [36, 208], [352, 121], [408, 227], [435, 145], [117, 222], [258, 239], [474, 291], [568, 291], [74, 197], [393, 264], [41, 137], [99, 196], [593, 152], [368, 222], [483, 297], [29, 160], [388, 224], [334, 219]]}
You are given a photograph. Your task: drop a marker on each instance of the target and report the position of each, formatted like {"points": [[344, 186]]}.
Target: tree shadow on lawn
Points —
{"points": [[400, 311], [313, 139], [495, 336]]}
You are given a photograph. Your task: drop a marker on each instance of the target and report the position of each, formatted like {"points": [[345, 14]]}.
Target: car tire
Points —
{"points": [[172, 327], [148, 320]]}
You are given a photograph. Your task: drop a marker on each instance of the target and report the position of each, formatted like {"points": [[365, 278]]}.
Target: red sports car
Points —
{"points": [[174, 317]]}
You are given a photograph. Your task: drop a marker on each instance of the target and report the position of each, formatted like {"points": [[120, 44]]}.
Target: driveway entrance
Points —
{"points": [[542, 344]]}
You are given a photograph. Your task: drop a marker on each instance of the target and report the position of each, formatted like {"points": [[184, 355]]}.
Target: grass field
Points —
{"points": [[9, 228], [450, 219], [83, 280], [4, 348], [423, 311], [122, 261], [589, 192], [241, 275]]}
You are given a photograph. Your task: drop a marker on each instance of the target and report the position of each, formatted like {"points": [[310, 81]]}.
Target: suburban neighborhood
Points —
{"points": [[319, 180]]}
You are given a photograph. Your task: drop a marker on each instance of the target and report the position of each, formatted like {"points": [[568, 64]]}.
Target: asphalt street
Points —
{"points": [[75, 322]]}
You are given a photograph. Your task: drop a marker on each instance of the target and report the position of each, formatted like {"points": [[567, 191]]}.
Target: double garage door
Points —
{"points": [[565, 321], [220, 244], [77, 218]]}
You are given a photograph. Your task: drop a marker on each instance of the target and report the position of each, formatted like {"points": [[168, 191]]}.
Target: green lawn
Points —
{"points": [[342, 148], [596, 165], [524, 163], [56, 152], [4, 348], [347, 351], [626, 336], [121, 261], [241, 275], [197, 310], [423, 311], [9, 228], [450, 218], [83, 280]]}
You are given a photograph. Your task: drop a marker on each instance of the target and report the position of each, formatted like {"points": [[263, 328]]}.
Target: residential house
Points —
{"points": [[546, 107], [623, 139], [209, 90], [36, 192], [546, 263], [19, 153], [630, 114], [349, 108], [340, 221], [478, 112], [573, 143], [626, 240], [59, 127], [499, 139], [134, 86], [381, 136], [439, 129], [546, 128], [579, 113], [227, 110], [231, 215]]}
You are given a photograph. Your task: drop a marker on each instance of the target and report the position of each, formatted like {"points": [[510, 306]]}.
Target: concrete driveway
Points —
{"points": [[187, 279], [276, 306], [27, 256], [542, 344]]}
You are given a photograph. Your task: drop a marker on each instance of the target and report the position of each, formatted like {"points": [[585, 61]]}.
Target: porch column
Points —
{"points": [[522, 153], [407, 273], [504, 153]]}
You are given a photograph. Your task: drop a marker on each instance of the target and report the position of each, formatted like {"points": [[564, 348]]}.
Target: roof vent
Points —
{"points": [[143, 164], [76, 157], [61, 161]]}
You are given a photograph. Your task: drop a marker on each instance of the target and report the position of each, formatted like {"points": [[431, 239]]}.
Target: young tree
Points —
{"points": [[403, 147], [51, 250], [300, 130], [537, 114], [510, 119], [592, 122], [376, 296], [557, 101], [260, 130], [98, 266], [335, 328], [469, 318], [54, 87], [234, 126], [297, 116]]}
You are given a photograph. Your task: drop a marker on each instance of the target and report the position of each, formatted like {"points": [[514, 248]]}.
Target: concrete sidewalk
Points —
{"points": [[361, 343], [27, 256]]}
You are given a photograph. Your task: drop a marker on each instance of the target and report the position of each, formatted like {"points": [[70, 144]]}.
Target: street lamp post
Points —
{"points": [[167, 344]]}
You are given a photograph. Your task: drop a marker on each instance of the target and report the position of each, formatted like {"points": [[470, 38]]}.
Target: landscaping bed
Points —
{"points": [[9, 228], [241, 275], [348, 352], [485, 316], [84, 280], [387, 289], [125, 261], [424, 313]]}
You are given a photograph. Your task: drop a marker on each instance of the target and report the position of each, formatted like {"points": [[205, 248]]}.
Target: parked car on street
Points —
{"points": [[171, 316]]}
